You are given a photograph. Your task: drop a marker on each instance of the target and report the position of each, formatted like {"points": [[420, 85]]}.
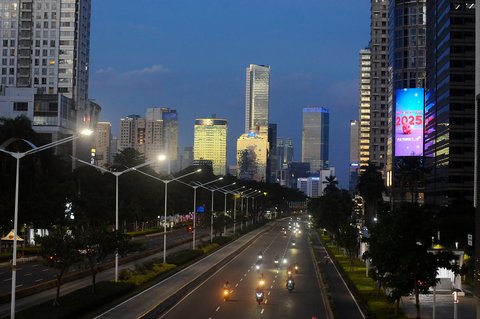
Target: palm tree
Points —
{"points": [[371, 187], [332, 183]]}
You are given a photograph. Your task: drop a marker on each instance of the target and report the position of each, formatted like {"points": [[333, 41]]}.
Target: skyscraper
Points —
{"points": [[132, 133], [315, 138], [364, 109], [252, 152], [257, 99], [210, 143], [165, 120], [103, 134], [379, 46], [354, 139], [450, 124], [407, 33], [45, 46]]}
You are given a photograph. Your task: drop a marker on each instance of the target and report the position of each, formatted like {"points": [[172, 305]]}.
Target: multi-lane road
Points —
{"points": [[206, 301]]}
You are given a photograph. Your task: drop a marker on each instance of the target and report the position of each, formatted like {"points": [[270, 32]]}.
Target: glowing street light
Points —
{"points": [[211, 215], [117, 175], [166, 181], [195, 186], [18, 156]]}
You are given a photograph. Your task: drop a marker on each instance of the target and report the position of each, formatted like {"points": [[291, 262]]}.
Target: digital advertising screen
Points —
{"points": [[409, 122]]}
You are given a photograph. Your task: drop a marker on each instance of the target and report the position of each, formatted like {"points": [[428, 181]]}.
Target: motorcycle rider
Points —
{"points": [[226, 285]]}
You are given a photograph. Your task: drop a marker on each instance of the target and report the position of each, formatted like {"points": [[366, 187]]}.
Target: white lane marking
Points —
{"points": [[269, 293], [266, 301], [218, 308], [241, 279], [261, 312], [8, 279], [36, 265], [45, 269], [244, 275], [29, 274], [39, 280], [19, 285], [271, 287], [236, 285]]}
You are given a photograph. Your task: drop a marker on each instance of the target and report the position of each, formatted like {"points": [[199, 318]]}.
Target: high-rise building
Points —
{"points": [[166, 138], [450, 101], [315, 138], [407, 33], [210, 143], [364, 109], [103, 135], [44, 47], [257, 99], [379, 54], [273, 164], [476, 236], [132, 133], [252, 154], [354, 143], [288, 151]]}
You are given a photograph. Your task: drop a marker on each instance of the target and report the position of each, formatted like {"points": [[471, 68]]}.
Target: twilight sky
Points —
{"points": [[191, 56]]}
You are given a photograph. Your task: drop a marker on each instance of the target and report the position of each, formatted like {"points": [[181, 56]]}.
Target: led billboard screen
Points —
{"points": [[409, 120]]}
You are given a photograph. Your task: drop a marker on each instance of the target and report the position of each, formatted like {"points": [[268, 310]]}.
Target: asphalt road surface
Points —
{"points": [[206, 301]]}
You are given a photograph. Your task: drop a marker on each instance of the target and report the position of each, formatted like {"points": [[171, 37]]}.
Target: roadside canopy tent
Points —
{"points": [[10, 237]]}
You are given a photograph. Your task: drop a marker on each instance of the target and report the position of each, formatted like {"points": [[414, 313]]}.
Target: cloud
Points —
{"points": [[110, 78]]}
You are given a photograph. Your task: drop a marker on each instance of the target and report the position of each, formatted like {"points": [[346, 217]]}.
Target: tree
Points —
{"points": [[247, 164], [332, 183], [399, 246], [128, 157], [411, 173], [371, 187], [60, 250], [95, 243]]}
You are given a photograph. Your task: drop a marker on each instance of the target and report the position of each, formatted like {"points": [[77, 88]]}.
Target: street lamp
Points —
{"points": [[18, 156], [253, 204], [211, 215], [117, 175], [166, 181], [247, 195], [195, 186], [234, 193]]}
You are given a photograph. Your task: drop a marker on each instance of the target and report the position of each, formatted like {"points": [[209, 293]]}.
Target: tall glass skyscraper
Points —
{"points": [[257, 99], [450, 101], [210, 143], [315, 138]]}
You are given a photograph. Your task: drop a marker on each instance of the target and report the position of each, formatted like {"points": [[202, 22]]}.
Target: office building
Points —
{"points": [[210, 143], [252, 154], [132, 133], [407, 58], [44, 47], [315, 138], [354, 146], [379, 78], [450, 101], [364, 109], [257, 99], [314, 186], [103, 136], [273, 163]]}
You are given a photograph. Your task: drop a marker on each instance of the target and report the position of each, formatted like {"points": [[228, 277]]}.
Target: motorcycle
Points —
{"points": [[285, 261], [259, 296], [277, 264], [296, 268], [260, 256], [226, 294], [257, 267], [290, 285]]}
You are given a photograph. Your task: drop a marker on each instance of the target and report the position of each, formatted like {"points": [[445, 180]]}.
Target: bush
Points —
{"points": [[206, 248], [221, 240], [184, 256], [79, 302], [139, 278]]}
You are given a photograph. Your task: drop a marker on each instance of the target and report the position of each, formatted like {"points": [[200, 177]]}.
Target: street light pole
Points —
{"points": [[18, 156], [117, 175], [166, 199], [195, 186]]}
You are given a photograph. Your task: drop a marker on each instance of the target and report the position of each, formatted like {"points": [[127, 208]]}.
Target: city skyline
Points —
{"points": [[196, 63]]}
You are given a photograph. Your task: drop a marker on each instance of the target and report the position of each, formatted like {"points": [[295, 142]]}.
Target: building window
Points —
{"points": [[20, 106]]}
